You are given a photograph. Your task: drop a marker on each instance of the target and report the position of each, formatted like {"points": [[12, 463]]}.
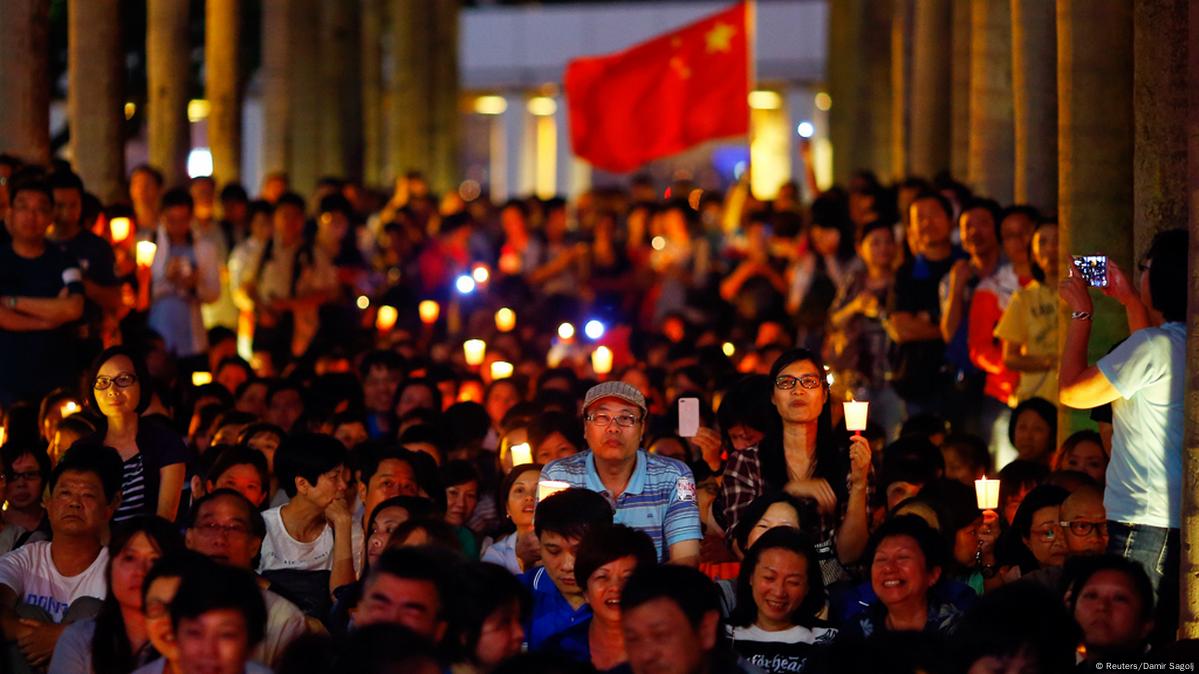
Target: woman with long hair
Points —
{"points": [[152, 452], [117, 640], [804, 457]]}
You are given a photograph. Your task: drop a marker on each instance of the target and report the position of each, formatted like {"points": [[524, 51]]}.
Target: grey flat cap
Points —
{"points": [[616, 389]]}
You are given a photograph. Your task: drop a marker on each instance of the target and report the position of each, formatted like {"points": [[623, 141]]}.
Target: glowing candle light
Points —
{"points": [[547, 488], [429, 311], [480, 274], [566, 332], [474, 350], [855, 416], [601, 360], [201, 378], [987, 493], [501, 369], [505, 320], [521, 454], [386, 318], [68, 408], [145, 253], [3, 435], [120, 228]]}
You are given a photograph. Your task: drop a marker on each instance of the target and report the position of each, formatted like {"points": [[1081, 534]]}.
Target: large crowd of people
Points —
{"points": [[410, 432]]}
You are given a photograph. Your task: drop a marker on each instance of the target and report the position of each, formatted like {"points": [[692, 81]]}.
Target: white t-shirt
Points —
{"points": [[1144, 476], [281, 551], [31, 574], [285, 622]]}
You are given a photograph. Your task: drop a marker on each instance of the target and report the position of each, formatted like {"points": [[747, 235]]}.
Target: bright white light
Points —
{"points": [[566, 331], [729, 349], [480, 274], [465, 284], [658, 243], [199, 162], [805, 129], [364, 302], [594, 329]]}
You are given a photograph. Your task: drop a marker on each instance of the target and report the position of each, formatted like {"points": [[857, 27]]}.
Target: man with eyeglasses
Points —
{"points": [[1084, 522], [648, 492], [26, 469], [41, 294], [228, 529]]}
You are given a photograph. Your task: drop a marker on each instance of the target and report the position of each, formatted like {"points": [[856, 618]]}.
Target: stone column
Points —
{"points": [[25, 79], [992, 142], [846, 82], [95, 100], [877, 129], [373, 137], [1159, 103], [446, 114], [411, 87], [903, 12], [304, 60], [168, 57], [1189, 566], [340, 89], [931, 92], [1034, 97], [959, 97], [222, 86], [276, 87], [1094, 84]]}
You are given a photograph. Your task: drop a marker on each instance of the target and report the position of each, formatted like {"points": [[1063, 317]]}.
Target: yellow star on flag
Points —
{"points": [[720, 37]]}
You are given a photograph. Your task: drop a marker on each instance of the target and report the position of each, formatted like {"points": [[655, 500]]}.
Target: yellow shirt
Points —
{"points": [[1030, 321]]}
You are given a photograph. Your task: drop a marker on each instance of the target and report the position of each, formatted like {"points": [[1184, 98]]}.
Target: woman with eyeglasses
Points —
{"points": [[805, 457], [117, 639], [1035, 546], [152, 452]]}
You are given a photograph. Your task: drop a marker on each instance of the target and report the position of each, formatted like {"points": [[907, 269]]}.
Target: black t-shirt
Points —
{"points": [[98, 265], [32, 363], [916, 291]]}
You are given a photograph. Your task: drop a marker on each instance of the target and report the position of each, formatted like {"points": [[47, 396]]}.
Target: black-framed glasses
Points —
{"points": [[27, 476], [786, 382], [1084, 528], [123, 380], [602, 420]]}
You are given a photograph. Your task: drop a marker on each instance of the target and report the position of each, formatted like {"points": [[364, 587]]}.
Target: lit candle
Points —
{"points": [[474, 350], [386, 318], [201, 378], [601, 360], [120, 229], [855, 415], [566, 332], [501, 369], [547, 488], [3, 434], [68, 408], [429, 311], [521, 454], [145, 253], [987, 492], [480, 274], [505, 320]]}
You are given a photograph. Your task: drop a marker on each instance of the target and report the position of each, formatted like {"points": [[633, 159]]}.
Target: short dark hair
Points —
{"points": [[370, 454], [458, 472], [571, 512], [257, 523], [482, 589], [139, 370], [694, 593], [438, 532], [221, 587], [785, 538], [30, 184], [91, 456], [547, 423], [335, 203], [12, 451], [989, 205], [382, 647], [178, 196], [1111, 562], [291, 199], [380, 358], [1042, 407], [307, 456], [65, 180], [970, 448], [250, 431], [417, 507], [756, 510], [1024, 619], [1168, 280], [237, 455], [942, 202], [1026, 210], [929, 541], [605, 544], [146, 169], [415, 563], [234, 192]]}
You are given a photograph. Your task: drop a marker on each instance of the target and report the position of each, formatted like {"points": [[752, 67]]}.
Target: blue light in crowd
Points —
{"points": [[594, 329], [465, 284]]}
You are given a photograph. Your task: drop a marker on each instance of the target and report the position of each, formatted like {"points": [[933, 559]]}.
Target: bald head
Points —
{"points": [[1087, 533]]}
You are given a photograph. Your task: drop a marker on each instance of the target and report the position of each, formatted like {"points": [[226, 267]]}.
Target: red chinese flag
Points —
{"points": [[663, 96]]}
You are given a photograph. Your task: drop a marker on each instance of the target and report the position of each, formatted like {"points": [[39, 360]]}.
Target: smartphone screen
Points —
{"points": [[1093, 269], [688, 417]]}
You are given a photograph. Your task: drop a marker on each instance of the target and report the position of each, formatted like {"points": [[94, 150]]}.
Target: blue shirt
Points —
{"points": [[659, 499], [1144, 476], [555, 627]]}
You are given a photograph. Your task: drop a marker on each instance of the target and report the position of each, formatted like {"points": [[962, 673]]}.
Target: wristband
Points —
{"points": [[1081, 315]]}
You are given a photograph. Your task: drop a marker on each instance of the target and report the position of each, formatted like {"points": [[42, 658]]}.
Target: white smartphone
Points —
{"points": [[688, 417]]}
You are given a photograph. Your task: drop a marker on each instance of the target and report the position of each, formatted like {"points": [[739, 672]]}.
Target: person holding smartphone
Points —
{"points": [[1144, 379]]}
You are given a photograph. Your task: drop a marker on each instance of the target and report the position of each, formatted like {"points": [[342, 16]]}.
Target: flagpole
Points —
{"points": [[751, 65]]}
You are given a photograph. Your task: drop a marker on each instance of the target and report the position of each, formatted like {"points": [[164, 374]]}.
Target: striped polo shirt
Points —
{"points": [[659, 499]]}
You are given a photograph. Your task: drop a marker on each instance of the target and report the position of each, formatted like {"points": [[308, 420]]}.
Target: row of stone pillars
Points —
{"points": [[1078, 107], [327, 107]]}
